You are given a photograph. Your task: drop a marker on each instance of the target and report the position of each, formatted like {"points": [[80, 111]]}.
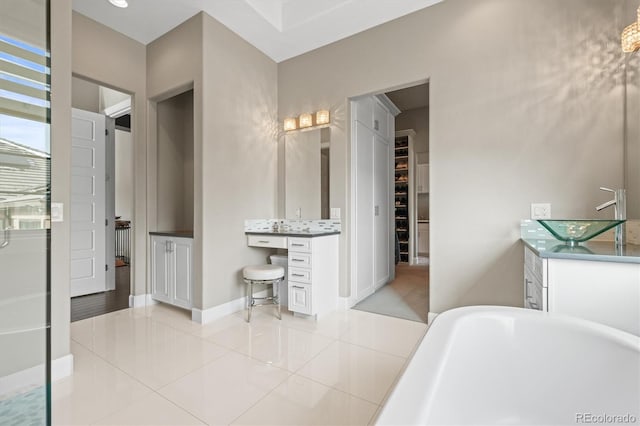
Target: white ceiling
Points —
{"points": [[280, 28]]}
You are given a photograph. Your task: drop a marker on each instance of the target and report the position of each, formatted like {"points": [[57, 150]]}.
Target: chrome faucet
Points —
{"points": [[619, 204]]}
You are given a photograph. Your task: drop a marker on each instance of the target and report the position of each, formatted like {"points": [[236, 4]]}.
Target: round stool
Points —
{"points": [[263, 274]]}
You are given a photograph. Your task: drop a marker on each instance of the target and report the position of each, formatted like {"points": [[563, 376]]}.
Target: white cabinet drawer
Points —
{"points": [[299, 260], [300, 298], [275, 241], [300, 244], [300, 275]]}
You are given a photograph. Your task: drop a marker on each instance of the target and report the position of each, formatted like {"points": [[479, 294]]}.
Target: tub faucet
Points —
{"points": [[619, 204]]}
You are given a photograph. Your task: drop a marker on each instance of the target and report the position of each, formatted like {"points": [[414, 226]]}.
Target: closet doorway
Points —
{"points": [[406, 293], [111, 199]]}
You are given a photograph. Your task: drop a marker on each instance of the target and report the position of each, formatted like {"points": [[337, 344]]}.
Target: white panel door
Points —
{"points": [[364, 208], [381, 199], [87, 211]]}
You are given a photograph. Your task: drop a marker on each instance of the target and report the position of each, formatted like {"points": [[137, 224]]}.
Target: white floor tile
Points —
{"points": [[153, 352], [224, 389], [300, 401], [95, 390], [359, 371], [152, 410], [382, 333], [283, 347]]}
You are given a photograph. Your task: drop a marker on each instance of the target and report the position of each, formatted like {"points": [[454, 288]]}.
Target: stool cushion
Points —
{"points": [[263, 272]]}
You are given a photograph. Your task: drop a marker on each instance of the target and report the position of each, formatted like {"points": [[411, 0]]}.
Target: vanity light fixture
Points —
{"points": [[631, 36], [322, 117], [305, 120], [119, 3], [290, 124]]}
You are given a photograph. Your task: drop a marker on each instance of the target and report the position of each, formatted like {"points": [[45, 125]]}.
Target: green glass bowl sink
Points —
{"points": [[574, 231]]}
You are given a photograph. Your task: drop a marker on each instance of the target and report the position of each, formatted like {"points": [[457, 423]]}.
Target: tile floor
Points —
{"points": [[154, 366]]}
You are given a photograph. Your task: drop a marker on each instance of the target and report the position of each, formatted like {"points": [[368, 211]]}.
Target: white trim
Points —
{"points": [[141, 300], [388, 103], [61, 367], [406, 132], [208, 315], [119, 109], [431, 316], [33, 377]]}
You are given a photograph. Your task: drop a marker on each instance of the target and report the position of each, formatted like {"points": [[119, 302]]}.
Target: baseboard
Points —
{"points": [[431, 316], [205, 316], [344, 303], [141, 300], [33, 377]]}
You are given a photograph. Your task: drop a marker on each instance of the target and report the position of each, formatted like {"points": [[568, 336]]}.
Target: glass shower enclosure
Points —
{"points": [[25, 205]]}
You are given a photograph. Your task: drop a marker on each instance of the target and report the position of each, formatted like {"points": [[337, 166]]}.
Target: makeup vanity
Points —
{"points": [[312, 270]]}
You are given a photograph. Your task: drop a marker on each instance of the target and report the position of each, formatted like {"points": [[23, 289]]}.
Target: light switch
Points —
{"points": [[540, 211], [335, 212], [57, 212]]}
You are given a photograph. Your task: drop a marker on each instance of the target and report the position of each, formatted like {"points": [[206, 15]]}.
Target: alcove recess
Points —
{"points": [[175, 163]]}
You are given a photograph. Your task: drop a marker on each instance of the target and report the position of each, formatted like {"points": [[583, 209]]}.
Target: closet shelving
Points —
{"points": [[402, 180]]}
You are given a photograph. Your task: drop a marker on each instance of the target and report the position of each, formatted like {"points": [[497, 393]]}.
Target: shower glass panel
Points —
{"points": [[25, 222]]}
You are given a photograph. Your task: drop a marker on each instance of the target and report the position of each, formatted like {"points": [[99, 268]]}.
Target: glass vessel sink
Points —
{"points": [[574, 231]]}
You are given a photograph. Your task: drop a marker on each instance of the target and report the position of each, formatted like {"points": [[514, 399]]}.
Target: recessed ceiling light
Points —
{"points": [[119, 3]]}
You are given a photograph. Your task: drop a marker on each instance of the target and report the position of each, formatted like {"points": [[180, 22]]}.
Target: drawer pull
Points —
{"points": [[298, 287], [297, 245], [297, 260], [264, 242], [297, 275]]}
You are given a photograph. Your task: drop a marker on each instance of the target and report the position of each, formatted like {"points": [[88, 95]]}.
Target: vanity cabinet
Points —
{"points": [[601, 291], [172, 270], [422, 178], [423, 238], [313, 274]]}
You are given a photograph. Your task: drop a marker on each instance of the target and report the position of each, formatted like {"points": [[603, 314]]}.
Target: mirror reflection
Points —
{"points": [[307, 174]]}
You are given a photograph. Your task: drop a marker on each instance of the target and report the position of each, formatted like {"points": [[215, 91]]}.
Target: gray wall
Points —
{"points": [[235, 88], [85, 95], [417, 120], [238, 155], [526, 106], [175, 163], [632, 137], [60, 174], [124, 175]]}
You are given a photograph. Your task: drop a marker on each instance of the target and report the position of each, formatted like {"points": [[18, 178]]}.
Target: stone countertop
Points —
{"points": [[600, 251], [304, 234], [180, 234]]}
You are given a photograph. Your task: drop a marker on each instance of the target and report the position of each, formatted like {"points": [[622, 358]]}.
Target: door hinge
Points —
{"points": [[106, 222], [106, 132], [106, 267]]}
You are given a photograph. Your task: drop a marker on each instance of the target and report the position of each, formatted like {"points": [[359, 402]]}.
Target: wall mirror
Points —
{"points": [[307, 174], [632, 137]]}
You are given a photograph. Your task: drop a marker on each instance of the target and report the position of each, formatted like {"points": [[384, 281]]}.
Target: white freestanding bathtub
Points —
{"points": [[486, 365]]}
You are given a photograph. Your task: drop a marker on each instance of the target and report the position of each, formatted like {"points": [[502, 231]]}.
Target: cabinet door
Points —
{"points": [[423, 178], [423, 238], [364, 211], [381, 200], [183, 278], [300, 298], [160, 270]]}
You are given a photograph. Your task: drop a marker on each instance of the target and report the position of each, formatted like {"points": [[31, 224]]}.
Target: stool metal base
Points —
{"points": [[273, 300]]}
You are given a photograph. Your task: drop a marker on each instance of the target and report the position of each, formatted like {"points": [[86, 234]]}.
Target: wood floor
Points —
{"points": [[92, 305]]}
